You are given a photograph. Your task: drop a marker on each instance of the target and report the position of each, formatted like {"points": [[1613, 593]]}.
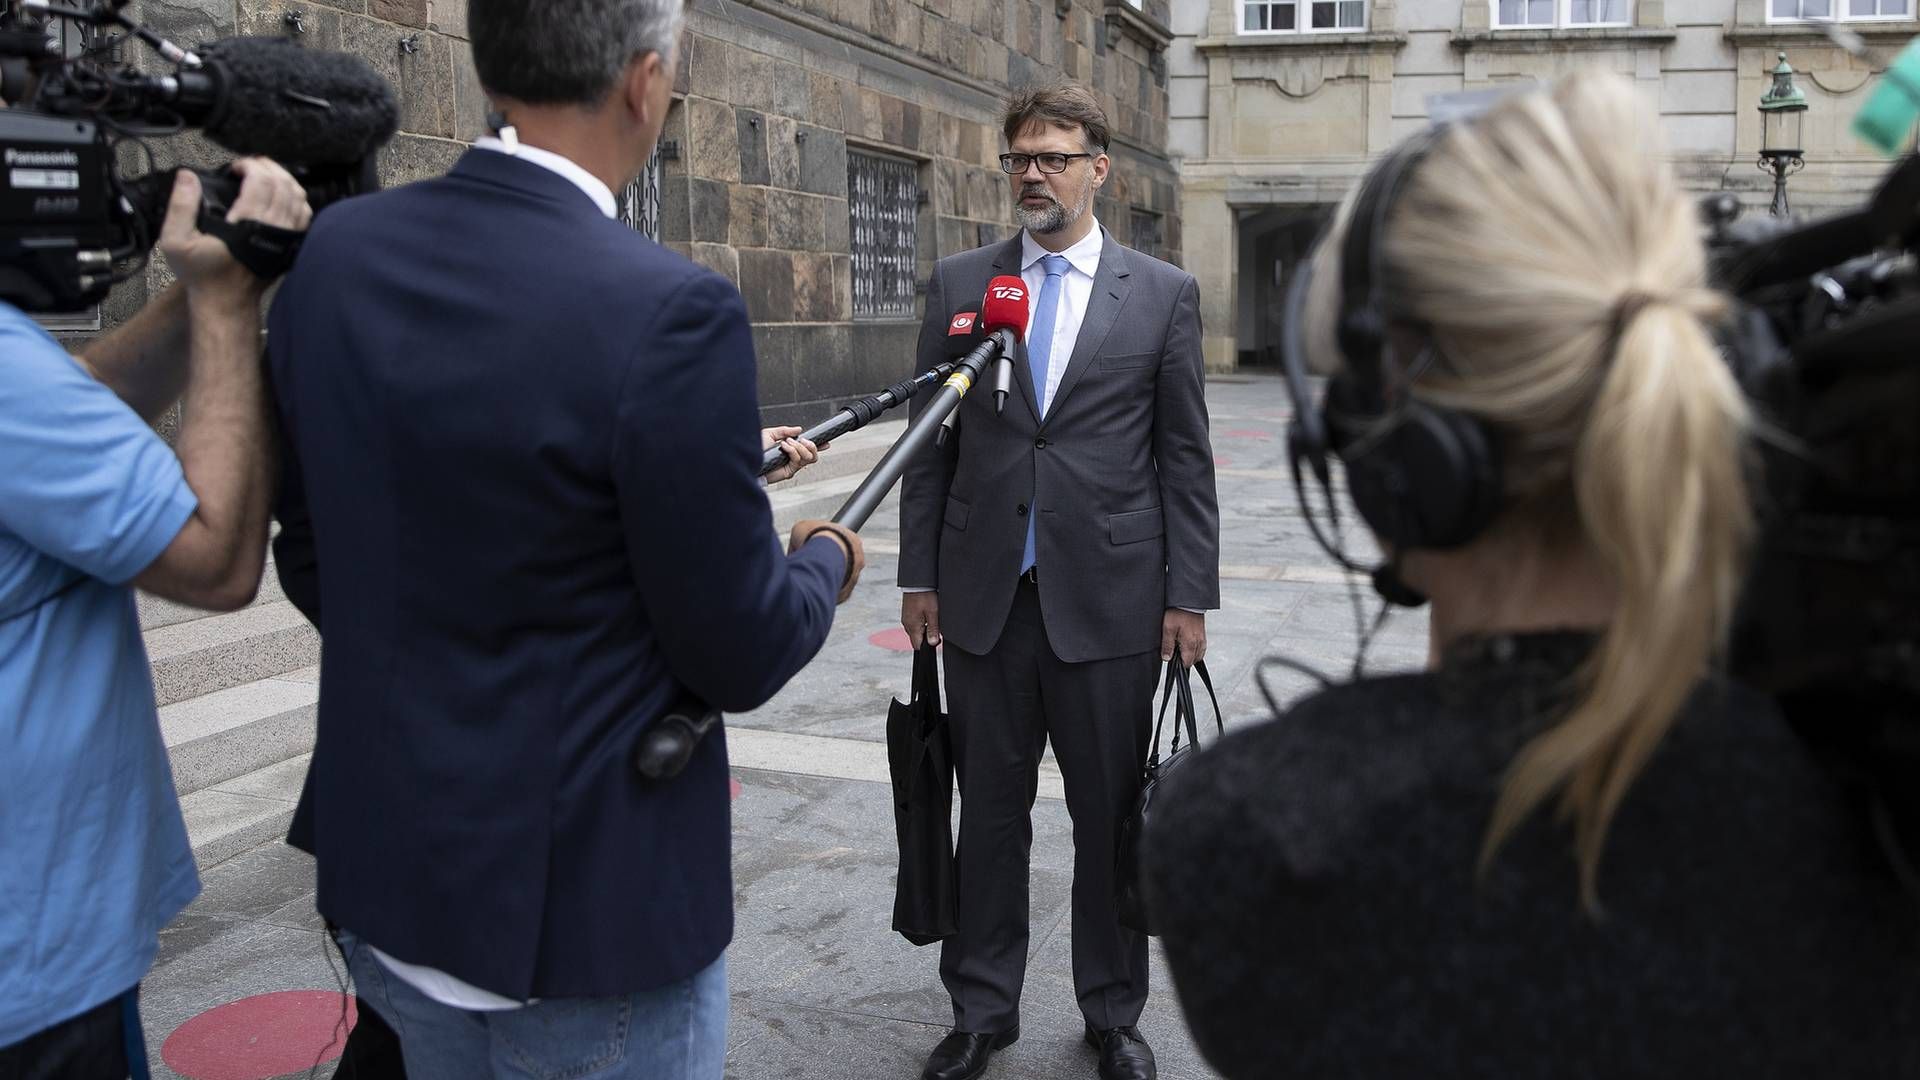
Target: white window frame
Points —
{"points": [[1841, 13], [1302, 19], [1563, 18]]}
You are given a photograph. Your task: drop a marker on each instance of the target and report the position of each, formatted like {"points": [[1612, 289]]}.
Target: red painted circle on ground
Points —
{"points": [[1222, 462], [262, 1036], [893, 638], [734, 793]]}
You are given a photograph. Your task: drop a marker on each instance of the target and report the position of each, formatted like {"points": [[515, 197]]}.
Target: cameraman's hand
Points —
{"points": [[268, 194], [848, 539]]}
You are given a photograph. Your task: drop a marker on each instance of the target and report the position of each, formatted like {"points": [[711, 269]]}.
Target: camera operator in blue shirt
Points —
{"points": [[94, 857]]}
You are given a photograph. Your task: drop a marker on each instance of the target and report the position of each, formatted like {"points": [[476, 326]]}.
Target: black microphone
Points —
{"points": [[669, 742], [268, 96], [998, 344], [320, 114], [1002, 381]]}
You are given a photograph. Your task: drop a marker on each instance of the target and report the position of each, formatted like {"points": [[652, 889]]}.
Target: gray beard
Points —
{"points": [[1052, 218]]}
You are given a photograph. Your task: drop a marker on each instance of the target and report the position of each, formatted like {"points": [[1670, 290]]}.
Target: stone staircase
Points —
{"points": [[237, 695], [238, 691]]}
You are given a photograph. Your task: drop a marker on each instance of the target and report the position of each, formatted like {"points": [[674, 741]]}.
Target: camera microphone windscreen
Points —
{"points": [[1005, 306], [270, 97]]}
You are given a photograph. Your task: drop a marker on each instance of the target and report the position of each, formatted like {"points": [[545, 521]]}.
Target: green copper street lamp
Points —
{"points": [[1783, 110]]}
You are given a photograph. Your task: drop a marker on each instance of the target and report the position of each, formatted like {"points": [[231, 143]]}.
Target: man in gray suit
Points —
{"points": [[1060, 547]]}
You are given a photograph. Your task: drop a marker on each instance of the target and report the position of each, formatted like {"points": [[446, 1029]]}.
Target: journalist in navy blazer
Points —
{"points": [[520, 501]]}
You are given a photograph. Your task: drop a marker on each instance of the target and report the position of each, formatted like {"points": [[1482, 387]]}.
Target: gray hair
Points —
{"points": [[567, 52]]}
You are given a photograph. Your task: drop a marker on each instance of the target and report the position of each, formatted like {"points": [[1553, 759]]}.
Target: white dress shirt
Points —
{"points": [[1076, 291], [596, 189]]}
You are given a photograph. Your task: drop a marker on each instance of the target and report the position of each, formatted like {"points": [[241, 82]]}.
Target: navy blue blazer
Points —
{"points": [[520, 501]]}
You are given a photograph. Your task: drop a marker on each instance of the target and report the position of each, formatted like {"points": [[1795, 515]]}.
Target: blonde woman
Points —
{"points": [[1569, 849]]}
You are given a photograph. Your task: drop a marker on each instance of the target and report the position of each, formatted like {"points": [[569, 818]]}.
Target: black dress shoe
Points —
{"points": [[963, 1055], [1124, 1055]]}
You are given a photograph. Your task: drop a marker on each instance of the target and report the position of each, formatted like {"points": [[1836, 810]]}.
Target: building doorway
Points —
{"points": [[1273, 242]]}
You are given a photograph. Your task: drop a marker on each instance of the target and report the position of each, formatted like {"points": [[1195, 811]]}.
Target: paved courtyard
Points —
{"points": [[821, 987]]}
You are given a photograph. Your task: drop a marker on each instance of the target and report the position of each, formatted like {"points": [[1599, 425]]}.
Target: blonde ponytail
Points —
{"points": [[1662, 501], [1559, 270]]}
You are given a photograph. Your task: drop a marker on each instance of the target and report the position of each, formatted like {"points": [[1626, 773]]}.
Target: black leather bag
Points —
{"points": [[920, 758], [1128, 877]]}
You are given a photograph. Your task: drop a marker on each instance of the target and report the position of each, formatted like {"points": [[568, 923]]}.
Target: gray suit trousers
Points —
{"points": [[1004, 707]]}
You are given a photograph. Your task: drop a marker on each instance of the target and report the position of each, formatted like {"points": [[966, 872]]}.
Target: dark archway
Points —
{"points": [[1273, 241]]}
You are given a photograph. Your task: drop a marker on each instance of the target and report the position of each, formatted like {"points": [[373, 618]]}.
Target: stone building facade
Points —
{"points": [[1277, 106], [820, 153]]}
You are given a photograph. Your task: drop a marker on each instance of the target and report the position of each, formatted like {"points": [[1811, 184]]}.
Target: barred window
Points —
{"points": [[1146, 232], [640, 200], [883, 205]]}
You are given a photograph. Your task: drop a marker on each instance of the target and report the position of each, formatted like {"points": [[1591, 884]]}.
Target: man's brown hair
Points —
{"points": [[1067, 105]]}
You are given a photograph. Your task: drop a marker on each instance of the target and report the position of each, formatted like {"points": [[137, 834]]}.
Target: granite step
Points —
{"points": [[156, 613], [218, 652], [217, 737], [244, 812]]}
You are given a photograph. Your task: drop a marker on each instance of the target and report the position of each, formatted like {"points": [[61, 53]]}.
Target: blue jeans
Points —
{"points": [[677, 1032]]}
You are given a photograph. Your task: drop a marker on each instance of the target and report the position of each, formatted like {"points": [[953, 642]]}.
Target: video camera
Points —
{"points": [[71, 227], [1827, 348]]}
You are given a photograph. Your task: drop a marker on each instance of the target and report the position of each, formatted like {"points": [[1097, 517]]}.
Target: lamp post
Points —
{"points": [[1783, 110]]}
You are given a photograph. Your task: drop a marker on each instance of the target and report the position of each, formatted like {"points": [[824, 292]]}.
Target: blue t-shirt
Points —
{"points": [[94, 857]]}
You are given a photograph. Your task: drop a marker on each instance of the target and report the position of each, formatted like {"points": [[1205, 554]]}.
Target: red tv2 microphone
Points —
{"points": [[1003, 316], [1004, 308]]}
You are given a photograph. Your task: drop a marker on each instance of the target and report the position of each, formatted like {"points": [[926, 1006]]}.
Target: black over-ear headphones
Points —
{"points": [[1421, 476]]}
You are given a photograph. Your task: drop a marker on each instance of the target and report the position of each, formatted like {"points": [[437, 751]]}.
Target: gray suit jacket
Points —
{"points": [[1121, 469]]}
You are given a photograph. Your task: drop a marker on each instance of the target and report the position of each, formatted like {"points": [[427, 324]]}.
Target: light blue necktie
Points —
{"points": [[1039, 357]]}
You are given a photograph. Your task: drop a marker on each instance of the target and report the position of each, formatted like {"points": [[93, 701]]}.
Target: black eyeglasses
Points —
{"points": [[1049, 163]]}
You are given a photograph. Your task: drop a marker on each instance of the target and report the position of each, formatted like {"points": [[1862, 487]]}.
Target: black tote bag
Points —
{"points": [[1128, 877], [920, 757]]}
